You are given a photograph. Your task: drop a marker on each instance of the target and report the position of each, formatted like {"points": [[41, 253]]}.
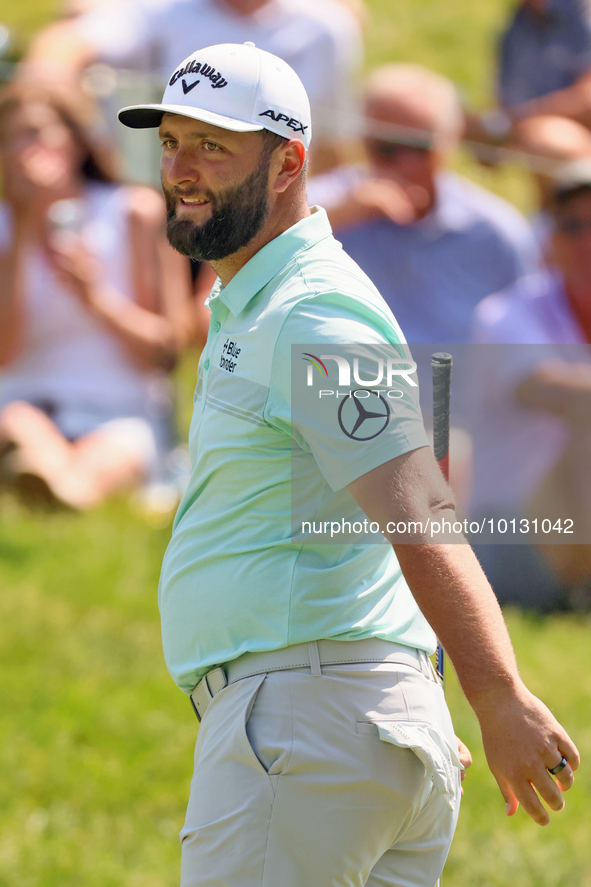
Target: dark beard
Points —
{"points": [[237, 215]]}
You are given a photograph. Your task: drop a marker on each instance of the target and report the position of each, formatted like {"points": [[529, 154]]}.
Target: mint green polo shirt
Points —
{"points": [[234, 579]]}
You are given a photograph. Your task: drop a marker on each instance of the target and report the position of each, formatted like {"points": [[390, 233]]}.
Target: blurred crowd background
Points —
{"points": [[452, 151], [96, 309]]}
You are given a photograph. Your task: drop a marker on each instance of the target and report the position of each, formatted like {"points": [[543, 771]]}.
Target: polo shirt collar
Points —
{"points": [[270, 260]]}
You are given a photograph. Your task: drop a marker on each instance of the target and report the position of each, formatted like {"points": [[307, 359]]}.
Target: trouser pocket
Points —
{"points": [[431, 747]]}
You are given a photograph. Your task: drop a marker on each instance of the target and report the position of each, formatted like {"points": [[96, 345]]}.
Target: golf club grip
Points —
{"points": [[441, 364]]}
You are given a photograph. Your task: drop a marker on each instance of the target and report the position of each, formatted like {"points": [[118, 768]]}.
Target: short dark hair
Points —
{"points": [[271, 140]]}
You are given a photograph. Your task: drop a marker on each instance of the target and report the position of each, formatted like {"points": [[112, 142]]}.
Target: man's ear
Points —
{"points": [[290, 162]]}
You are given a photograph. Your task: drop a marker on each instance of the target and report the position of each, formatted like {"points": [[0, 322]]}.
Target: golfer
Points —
{"points": [[326, 755]]}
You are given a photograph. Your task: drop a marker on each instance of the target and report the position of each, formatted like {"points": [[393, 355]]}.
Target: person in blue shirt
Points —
{"points": [[433, 243], [545, 60]]}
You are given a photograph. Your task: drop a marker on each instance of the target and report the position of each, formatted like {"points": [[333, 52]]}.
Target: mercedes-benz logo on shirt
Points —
{"points": [[363, 418]]}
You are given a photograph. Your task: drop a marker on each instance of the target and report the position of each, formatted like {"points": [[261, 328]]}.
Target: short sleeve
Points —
{"points": [[344, 386]]}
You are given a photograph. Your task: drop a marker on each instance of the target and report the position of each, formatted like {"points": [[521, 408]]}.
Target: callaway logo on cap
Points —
{"points": [[233, 86]]}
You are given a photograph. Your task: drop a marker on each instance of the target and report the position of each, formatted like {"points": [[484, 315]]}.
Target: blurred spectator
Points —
{"points": [[545, 60], [532, 420], [74, 8], [320, 39], [544, 70], [93, 309], [555, 141], [434, 243]]}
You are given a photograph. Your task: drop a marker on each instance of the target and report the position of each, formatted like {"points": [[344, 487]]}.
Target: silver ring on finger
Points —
{"points": [[558, 768]]}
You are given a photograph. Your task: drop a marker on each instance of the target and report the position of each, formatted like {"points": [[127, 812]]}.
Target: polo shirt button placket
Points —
{"points": [[206, 365], [204, 380], [215, 327]]}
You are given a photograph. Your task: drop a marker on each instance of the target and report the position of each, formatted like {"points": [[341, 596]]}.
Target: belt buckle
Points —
{"points": [[195, 709], [208, 687]]}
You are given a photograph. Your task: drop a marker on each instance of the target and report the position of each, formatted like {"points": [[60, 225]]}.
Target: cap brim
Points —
{"points": [[150, 116]]}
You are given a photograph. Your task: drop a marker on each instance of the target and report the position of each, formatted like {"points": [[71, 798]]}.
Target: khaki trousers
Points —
{"points": [[345, 778]]}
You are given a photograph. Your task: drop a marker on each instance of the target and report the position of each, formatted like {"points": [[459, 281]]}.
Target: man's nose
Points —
{"points": [[183, 167]]}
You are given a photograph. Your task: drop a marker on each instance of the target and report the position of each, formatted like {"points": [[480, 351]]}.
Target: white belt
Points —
{"points": [[312, 656]]}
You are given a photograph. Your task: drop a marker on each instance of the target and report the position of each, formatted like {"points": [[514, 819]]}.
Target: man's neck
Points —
{"points": [[228, 267]]}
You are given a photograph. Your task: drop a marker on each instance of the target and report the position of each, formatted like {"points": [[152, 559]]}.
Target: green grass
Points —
{"points": [[24, 17], [95, 741], [491, 850]]}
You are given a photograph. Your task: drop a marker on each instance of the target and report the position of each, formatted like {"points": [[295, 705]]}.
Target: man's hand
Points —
{"points": [[522, 740], [383, 197], [374, 198]]}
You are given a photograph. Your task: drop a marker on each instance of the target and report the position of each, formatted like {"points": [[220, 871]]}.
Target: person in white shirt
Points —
{"points": [[320, 39], [91, 318]]}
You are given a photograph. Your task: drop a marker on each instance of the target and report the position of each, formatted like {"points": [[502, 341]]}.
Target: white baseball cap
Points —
{"points": [[234, 86]]}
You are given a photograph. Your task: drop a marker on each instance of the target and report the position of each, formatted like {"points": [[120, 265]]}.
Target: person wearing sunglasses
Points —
{"points": [[551, 142], [541, 398], [434, 243]]}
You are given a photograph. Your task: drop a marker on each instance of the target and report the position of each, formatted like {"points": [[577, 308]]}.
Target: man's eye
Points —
{"points": [[168, 143], [211, 147]]}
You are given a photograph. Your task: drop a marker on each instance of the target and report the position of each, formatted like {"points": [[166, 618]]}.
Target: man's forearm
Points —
{"points": [[446, 580], [573, 101], [560, 388], [521, 737], [450, 588]]}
